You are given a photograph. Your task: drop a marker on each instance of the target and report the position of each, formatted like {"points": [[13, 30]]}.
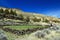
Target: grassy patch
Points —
{"points": [[21, 27], [12, 36]]}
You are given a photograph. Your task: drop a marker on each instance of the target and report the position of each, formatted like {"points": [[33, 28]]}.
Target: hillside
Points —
{"points": [[25, 25], [20, 16]]}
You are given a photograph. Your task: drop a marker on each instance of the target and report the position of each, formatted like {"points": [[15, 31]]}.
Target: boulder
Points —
{"points": [[40, 34], [2, 35], [47, 31]]}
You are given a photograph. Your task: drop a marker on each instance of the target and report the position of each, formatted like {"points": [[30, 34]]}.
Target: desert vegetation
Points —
{"points": [[12, 14], [16, 24]]}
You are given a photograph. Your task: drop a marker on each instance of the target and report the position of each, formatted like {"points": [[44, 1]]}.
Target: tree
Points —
{"points": [[27, 19], [13, 12], [45, 20], [6, 11], [36, 20], [21, 17], [2, 13], [1, 10]]}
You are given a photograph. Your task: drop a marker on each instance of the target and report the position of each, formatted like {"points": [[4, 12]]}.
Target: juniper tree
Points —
{"points": [[1, 10], [27, 19], [13, 12], [2, 13], [45, 20], [36, 20], [21, 17], [6, 11]]}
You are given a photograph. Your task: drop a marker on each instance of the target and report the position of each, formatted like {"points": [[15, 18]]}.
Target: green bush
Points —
{"points": [[6, 11], [36, 20], [1, 10], [27, 19]]}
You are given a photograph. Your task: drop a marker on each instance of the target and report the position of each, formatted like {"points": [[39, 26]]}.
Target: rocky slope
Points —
{"points": [[52, 33], [33, 17]]}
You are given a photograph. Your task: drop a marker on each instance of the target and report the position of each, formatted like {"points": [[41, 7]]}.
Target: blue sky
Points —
{"points": [[46, 7]]}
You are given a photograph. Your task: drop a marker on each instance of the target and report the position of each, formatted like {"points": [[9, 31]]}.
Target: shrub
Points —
{"points": [[6, 11], [1, 10], [27, 19], [36, 20]]}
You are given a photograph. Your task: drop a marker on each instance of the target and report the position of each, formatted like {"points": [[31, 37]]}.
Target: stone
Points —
{"points": [[2, 35], [40, 34], [47, 31]]}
